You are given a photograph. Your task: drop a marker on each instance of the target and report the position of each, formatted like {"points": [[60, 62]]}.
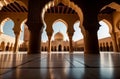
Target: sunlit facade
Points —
{"points": [[69, 51]]}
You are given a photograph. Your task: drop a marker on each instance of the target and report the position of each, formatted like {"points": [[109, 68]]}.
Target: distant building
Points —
{"points": [[7, 42], [58, 44]]}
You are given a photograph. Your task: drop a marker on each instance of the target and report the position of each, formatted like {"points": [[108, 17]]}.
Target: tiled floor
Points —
{"points": [[59, 66]]}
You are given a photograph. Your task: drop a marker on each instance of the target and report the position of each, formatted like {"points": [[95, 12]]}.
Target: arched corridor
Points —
{"points": [[61, 39], [7, 35], [71, 9], [104, 37], [60, 48]]}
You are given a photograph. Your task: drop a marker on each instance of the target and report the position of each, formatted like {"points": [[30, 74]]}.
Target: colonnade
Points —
{"points": [[70, 43], [89, 24], [68, 20]]}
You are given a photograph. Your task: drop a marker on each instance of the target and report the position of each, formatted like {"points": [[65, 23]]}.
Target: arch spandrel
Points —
{"points": [[23, 3], [112, 5], [118, 25], [68, 19], [107, 19], [2, 19], [116, 20], [17, 23]]}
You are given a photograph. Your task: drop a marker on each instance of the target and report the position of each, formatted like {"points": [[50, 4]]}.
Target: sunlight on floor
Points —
{"points": [[62, 52]]}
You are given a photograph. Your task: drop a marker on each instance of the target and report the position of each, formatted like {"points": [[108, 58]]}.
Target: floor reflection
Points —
{"points": [[106, 65], [59, 65]]}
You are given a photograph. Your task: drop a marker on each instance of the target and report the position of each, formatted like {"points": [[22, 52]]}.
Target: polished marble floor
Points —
{"points": [[59, 65]]}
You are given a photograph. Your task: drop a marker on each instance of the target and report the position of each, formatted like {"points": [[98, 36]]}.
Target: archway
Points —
{"points": [[62, 11], [60, 48], [104, 36], [60, 26], [44, 35], [67, 3], [24, 36], [2, 45], [23, 28], [77, 34], [7, 34], [7, 27], [78, 37], [112, 11], [59, 36], [104, 30]]}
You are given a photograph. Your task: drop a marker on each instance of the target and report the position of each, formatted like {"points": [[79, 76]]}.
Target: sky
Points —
{"points": [[59, 27]]}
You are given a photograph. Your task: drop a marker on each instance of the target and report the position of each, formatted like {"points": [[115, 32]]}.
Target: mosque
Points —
{"points": [[63, 11], [59, 44], [88, 58]]}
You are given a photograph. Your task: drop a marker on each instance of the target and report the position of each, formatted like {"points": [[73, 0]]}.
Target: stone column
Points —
{"points": [[17, 37], [35, 38], [70, 42], [49, 31], [91, 42], [91, 26], [71, 45], [17, 30], [35, 25], [49, 43], [70, 32], [115, 47]]}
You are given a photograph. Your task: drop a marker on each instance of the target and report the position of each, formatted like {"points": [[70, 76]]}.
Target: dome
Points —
{"points": [[59, 36]]}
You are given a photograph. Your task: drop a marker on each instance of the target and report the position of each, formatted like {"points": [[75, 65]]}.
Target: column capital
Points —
{"points": [[70, 34], [17, 36], [35, 26], [49, 33], [93, 28], [49, 37], [90, 21], [17, 32]]}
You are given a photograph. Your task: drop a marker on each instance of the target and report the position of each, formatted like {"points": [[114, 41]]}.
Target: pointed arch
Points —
{"points": [[3, 23], [67, 3], [104, 30], [78, 32], [61, 20], [112, 5], [109, 25], [23, 27], [61, 25]]}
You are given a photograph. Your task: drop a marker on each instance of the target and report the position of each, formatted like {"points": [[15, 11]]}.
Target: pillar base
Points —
{"points": [[91, 52], [71, 51], [33, 52]]}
